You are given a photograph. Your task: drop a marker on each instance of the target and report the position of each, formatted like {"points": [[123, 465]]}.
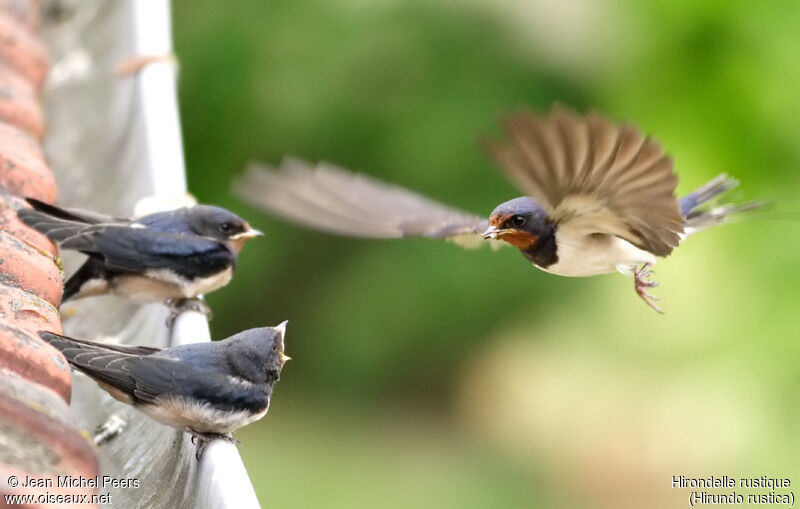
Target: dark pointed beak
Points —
{"points": [[493, 232]]}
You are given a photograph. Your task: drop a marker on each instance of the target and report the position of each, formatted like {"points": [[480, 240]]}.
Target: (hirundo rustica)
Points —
{"points": [[598, 198], [166, 256], [206, 389]]}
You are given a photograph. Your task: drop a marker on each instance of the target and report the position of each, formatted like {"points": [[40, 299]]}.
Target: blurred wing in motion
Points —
{"points": [[335, 200], [592, 176]]}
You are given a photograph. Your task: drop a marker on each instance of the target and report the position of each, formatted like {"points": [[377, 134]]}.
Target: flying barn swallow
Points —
{"points": [[165, 256], [206, 389], [598, 198]]}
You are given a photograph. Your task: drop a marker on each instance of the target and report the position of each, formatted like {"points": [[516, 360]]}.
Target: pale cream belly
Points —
{"points": [[161, 285], [596, 254], [202, 418]]}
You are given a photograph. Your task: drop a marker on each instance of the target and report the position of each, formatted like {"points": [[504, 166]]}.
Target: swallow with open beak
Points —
{"points": [[206, 389], [172, 256], [598, 198]]}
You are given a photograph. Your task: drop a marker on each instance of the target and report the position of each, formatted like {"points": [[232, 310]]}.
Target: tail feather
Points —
{"points": [[80, 354], [91, 269], [63, 344], [721, 214], [59, 224], [97, 361], [717, 186], [55, 228], [699, 217], [73, 346], [79, 216]]}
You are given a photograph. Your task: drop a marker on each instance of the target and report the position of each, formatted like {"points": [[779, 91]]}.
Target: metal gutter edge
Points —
{"points": [[126, 146], [222, 479]]}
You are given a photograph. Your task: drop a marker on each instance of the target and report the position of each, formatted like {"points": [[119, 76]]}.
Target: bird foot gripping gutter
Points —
{"points": [[201, 441], [178, 306]]}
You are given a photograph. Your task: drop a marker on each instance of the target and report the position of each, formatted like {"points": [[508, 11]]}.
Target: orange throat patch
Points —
{"points": [[236, 245], [517, 238]]}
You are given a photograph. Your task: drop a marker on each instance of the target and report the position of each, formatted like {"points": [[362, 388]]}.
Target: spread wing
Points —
{"points": [[594, 177], [335, 200], [129, 249]]}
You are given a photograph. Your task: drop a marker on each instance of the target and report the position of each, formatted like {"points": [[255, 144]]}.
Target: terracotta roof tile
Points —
{"points": [[27, 311], [23, 170], [25, 11], [40, 446], [35, 380], [18, 103], [22, 50], [11, 224], [31, 270], [30, 357], [37, 396]]}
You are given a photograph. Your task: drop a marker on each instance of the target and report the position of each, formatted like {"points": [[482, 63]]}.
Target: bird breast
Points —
{"points": [[163, 284], [183, 413], [590, 255]]}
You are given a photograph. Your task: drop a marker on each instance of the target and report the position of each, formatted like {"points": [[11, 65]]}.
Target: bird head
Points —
{"points": [[221, 224], [520, 222], [257, 355]]}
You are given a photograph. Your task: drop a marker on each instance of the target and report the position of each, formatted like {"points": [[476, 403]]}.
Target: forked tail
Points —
{"points": [[698, 216]]}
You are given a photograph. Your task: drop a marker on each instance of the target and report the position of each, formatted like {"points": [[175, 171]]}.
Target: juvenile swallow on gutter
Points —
{"points": [[206, 389], [598, 198], [167, 256]]}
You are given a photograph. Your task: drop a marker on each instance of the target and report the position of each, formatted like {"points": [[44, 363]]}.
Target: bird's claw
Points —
{"points": [[642, 282], [178, 306], [201, 440], [201, 448]]}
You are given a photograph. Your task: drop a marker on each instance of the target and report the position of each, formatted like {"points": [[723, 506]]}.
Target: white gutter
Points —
{"points": [[113, 140], [158, 98]]}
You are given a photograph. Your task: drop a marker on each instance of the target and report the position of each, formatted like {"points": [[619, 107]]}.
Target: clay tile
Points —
{"points": [[19, 104], [28, 312], [23, 267], [40, 398], [31, 358], [40, 446], [22, 50], [25, 11], [23, 170], [10, 223]]}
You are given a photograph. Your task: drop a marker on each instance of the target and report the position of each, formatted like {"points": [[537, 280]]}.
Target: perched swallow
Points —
{"points": [[599, 198], [206, 389], [173, 255]]}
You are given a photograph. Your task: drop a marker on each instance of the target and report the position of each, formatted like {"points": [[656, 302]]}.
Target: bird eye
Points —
{"points": [[226, 227], [518, 221]]}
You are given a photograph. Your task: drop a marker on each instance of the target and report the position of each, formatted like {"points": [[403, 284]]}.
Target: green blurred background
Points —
{"points": [[426, 375]]}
